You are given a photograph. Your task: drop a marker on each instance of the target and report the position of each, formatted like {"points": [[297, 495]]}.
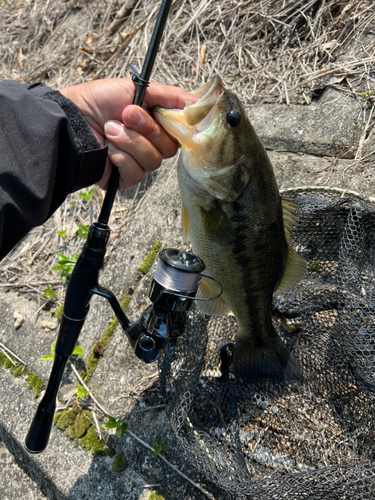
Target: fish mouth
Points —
{"points": [[182, 124]]}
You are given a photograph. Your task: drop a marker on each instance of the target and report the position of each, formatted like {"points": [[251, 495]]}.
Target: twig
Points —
{"points": [[88, 390], [363, 137], [149, 408], [97, 425], [124, 44], [334, 163], [286, 93], [121, 15], [7, 356], [21, 285], [173, 467], [5, 348]]}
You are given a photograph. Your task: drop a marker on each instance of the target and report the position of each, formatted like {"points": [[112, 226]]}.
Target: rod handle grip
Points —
{"points": [[40, 429]]}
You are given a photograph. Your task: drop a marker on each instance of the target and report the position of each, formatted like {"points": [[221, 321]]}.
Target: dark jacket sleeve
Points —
{"points": [[47, 151]]}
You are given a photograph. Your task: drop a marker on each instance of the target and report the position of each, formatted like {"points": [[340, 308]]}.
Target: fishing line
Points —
{"points": [[177, 280]]}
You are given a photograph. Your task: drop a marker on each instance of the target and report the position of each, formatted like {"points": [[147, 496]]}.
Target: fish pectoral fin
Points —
{"points": [[295, 270], [208, 289], [272, 360], [230, 182], [217, 225], [185, 225], [289, 215]]}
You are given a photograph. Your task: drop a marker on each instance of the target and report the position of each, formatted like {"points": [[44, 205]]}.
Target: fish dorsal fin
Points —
{"points": [[217, 224], [295, 270], [208, 289], [185, 225], [289, 216]]}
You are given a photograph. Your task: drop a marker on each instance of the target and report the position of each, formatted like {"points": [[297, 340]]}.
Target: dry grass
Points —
{"points": [[266, 51]]}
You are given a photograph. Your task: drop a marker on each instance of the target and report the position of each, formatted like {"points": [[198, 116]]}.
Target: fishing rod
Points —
{"points": [[172, 290]]}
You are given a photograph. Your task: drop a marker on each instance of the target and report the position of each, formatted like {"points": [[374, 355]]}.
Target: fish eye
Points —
{"points": [[234, 118]]}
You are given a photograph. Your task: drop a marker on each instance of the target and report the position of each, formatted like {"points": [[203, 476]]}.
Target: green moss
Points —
{"points": [[70, 432], [155, 495], [19, 371], [119, 463], [2, 358], [59, 312], [7, 364], [34, 382], [125, 302], [56, 417], [91, 364], [111, 452], [108, 332], [76, 408], [82, 423], [91, 442], [15, 370], [149, 259], [93, 358], [65, 419]]}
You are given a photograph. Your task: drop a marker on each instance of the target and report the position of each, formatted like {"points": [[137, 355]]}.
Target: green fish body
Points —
{"points": [[235, 219]]}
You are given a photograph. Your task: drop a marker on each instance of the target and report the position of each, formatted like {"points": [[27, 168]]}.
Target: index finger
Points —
{"points": [[167, 96]]}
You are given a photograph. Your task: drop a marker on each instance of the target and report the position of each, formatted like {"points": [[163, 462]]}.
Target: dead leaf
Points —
{"points": [[48, 325], [71, 230], [20, 318], [89, 39], [98, 350], [324, 47]]}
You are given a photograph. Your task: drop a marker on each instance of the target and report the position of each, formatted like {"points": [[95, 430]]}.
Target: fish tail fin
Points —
{"points": [[271, 360]]}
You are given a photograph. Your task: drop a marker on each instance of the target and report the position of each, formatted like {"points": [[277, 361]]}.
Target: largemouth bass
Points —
{"points": [[237, 223]]}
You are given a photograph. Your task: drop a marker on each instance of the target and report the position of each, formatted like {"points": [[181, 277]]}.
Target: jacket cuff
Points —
{"points": [[93, 155]]}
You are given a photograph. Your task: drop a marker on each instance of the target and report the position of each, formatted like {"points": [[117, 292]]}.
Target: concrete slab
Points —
{"points": [[14, 483], [331, 127]]}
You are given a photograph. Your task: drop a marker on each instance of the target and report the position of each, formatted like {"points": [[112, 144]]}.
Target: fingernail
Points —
{"points": [[135, 118], [111, 147], [113, 128]]}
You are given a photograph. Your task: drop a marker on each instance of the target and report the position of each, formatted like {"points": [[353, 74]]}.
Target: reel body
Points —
{"points": [[172, 290]]}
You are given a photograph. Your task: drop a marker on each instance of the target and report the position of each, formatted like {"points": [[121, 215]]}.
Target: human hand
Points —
{"points": [[136, 142]]}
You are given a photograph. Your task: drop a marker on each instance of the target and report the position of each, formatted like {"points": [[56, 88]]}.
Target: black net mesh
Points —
{"points": [[310, 440]]}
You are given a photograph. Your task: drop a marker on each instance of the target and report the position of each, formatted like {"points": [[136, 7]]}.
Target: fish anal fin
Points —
{"points": [[185, 225], [272, 360], [217, 225], [208, 289], [295, 270]]}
